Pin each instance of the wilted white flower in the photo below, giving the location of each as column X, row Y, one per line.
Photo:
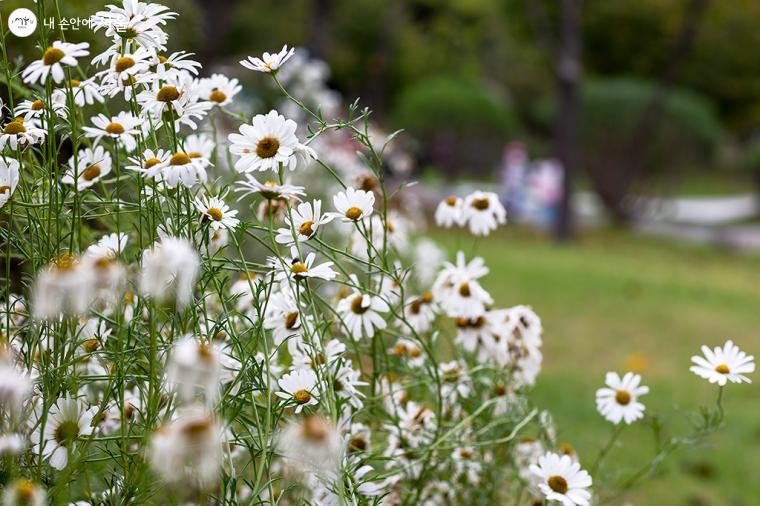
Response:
column 562, row 480
column 268, row 142
column 269, row 62
column 723, row 364
column 619, row 401
column 169, row 270
column 53, row 60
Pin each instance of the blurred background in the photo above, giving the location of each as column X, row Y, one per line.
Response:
column 624, row 139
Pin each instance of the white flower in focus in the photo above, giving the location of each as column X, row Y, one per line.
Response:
column 85, row 92
column 135, row 21
column 458, row 290
column 299, row 386
column 17, row 134
column 123, row 128
column 170, row 67
column 87, row 168
column 619, row 401
column 188, row 449
column 723, row 364
column 562, row 480
column 148, row 160
column 169, row 270
column 219, row 89
column 270, row 140
column 194, row 368
column 65, row 287
column 269, row 62
column 52, row 62
column 124, row 66
column 9, row 171
column 483, row 212
column 312, row 444
column 199, row 146
column 301, row 269
column 180, row 168
column 353, row 205
column 37, row 109
column 360, row 313
column 302, row 223
column 216, row 212
column 449, row 212
column 67, row 421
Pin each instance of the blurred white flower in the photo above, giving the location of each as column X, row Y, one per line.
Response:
column 723, row 364
column 9, row 172
column 312, row 444
column 53, row 60
column 169, row 270
column 619, row 401
column 24, row 492
column 449, row 212
column 458, row 290
column 65, row 287
column 194, row 368
column 483, row 212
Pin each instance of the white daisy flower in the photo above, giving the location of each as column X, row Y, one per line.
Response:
column 124, row 66
column 85, row 92
column 148, row 160
column 353, row 205
column 483, row 212
column 456, row 382
column 68, row 420
column 408, row 350
column 199, row 146
column 269, row 62
column 9, row 171
column 37, row 109
column 270, row 190
column 449, row 212
column 283, row 317
column 87, row 168
column 312, row 444
column 135, row 21
column 265, row 144
column 19, row 134
column 15, row 387
column 302, row 223
column 12, row 444
column 217, row 212
column 169, row 270
column 723, row 364
column 219, row 89
column 24, row 492
column 562, row 480
column 110, row 86
column 169, row 67
column 419, row 313
column 458, row 290
column 53, row 60
column 123, row 128
column 180, row 168
column 189, row 449
column 65, row 287
column 177, row 96
column 301, row 269
column 361, row 313
column 299, row 386
column 619, row 401
column 346, row 383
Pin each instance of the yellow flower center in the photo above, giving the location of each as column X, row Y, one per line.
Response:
column 217, row 96
column 195, row 154
column 291, row 320
column 196, row 430
column 480, row 204
column 299, row 268
column 302, row 396
column 25, row 491
column 558, row 484
column 167, row 94
column 14, row 128
column 66, row 432
column 124, row 63
column 305, row 228
column 91, row 173
column 4, row 188
column 115, row 129
column 464, row 290
column 622, row 397
column 151, row 162
column 357, row 305
column 315, row 428
column 353, row 213
column 74, row 83
column 722, row 369
column 66, row 262
column 52, row 56
column 215, row 213
column 38, row 105
column 91, row 345
column 180, row 159
column 267, row 147
column 451, row 201
column 426, row 297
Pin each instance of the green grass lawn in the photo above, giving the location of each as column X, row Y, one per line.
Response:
column 613, row 301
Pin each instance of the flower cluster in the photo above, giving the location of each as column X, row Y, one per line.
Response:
column 302, row 343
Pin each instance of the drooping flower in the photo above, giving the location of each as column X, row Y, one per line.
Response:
column 723, row 364
column 562, row 480
column 619, row 400
column 9, row 171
